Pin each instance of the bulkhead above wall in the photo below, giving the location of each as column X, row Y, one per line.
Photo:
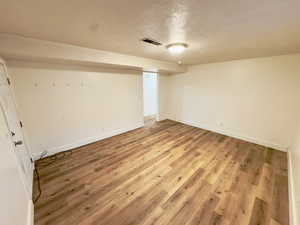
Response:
column 14, row 47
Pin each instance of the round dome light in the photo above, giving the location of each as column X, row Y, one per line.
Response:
column 176, row 48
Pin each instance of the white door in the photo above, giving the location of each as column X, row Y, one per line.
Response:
column 8, row 109
column 13, row 194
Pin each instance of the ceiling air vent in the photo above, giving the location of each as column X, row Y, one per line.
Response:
column 151, row 41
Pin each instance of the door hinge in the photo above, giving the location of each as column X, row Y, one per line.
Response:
column 8, row 80
column 21, row 124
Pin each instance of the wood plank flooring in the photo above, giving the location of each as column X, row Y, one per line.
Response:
column 164, row 174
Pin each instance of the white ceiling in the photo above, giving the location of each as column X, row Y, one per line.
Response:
column 215, row 30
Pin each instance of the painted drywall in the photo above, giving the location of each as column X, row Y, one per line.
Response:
column 163, row 93
column 150, row 93
column 15, row 203
column 18, row 47
column 63, row 107
column 254, row 99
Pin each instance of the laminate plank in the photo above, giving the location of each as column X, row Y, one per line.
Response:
column 206, row 212
column 259, row 213
column 280, row 200
column 166, row 173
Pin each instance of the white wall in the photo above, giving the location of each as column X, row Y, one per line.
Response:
column 63, row 107
column 254, row 99
column 150, row 93
column 163, row 92
column 15, row 204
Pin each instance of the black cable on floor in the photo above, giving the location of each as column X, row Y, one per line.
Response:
column 38, row 184
column 50, row 160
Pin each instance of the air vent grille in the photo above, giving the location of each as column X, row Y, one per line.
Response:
column 151, row 41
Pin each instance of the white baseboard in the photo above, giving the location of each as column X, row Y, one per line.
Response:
column 30, row 215
column 235, row 135
column 292, row 197
column 88, row 140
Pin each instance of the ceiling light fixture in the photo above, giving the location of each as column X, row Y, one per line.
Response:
column 176, row 48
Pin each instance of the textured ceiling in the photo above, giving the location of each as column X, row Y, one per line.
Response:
column 215, row 30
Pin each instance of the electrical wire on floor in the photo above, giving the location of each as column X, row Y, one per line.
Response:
column 46, row 162
column 38, row 184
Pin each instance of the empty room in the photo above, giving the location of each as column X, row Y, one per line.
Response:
column 150, row 112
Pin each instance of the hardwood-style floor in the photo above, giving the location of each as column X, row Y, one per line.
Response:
column 165, row 174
